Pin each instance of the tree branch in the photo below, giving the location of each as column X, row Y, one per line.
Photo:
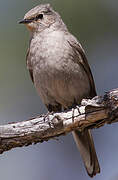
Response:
column 91, row 114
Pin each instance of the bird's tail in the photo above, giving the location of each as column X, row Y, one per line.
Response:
column 86, row 147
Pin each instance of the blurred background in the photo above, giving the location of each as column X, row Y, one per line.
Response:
column 95, row 24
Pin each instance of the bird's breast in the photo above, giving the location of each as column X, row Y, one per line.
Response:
column 57, row 77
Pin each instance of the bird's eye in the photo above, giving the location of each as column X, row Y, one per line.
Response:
column 39, row 16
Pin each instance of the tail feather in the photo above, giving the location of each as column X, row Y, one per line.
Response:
column 86, row 147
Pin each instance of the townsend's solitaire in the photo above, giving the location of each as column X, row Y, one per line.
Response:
column 60, row 72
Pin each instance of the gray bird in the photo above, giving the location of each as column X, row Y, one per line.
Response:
column 60, row 72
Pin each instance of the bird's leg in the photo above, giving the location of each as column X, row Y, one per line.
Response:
column 73, row 110
column 78, row 106
column 46, row 117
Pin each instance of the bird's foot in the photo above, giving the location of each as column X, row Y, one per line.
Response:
column 78, row 108
column 73, row 111
column 46, row 117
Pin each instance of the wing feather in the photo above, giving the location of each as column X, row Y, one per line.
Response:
column 84, row 63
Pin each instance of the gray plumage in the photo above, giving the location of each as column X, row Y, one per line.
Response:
column 60, row 71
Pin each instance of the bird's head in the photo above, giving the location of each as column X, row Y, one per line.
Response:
column 41, row 17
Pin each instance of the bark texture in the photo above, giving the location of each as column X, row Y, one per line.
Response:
column 92, row 113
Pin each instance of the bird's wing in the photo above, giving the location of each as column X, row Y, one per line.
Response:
column 82, row 60
column 29, row 66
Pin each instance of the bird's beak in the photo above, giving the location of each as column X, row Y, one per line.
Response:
column 25, row 21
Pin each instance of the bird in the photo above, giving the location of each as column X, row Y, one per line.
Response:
column 60, row 72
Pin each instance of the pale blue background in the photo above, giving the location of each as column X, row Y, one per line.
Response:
column 95, row 24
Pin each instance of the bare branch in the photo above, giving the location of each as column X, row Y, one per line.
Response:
column 91, row 114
